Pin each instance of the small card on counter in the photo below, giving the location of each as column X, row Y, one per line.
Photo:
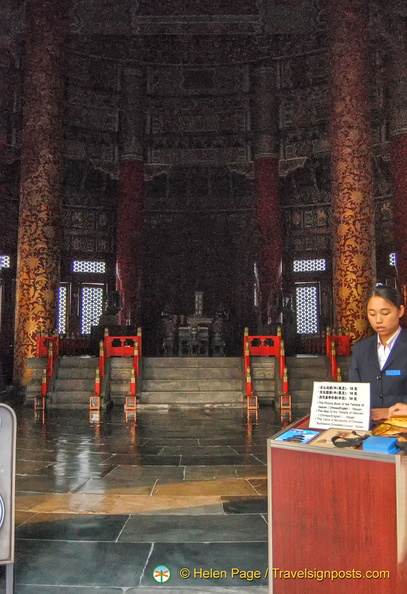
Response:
column 298, row 435
column 340, row 405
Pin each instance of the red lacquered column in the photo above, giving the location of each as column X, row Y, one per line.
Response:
column 266, row 175
column 131, row 195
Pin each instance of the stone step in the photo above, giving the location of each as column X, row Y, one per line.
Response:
column 301, row 396
column 75, row 384
column 231, row 397
column 306, row 361
column 195, row 362
column 263, row 374
column 33, row 388
column 121, row 374
column 262, row 384
column 262, row 361
column 119, row 389
column 186, row 373
column 118, row 363
column 71, row 397
column 312, row 373
column 191, row 385
column 264, row 393
column 263, row 379
column 302, row 372
column 302, row 384
column 78, row 362
column 76, row 373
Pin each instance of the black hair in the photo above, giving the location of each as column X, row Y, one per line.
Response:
column 387, row 292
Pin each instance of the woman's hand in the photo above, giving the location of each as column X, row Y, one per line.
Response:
column 379, row 414
column 398, row 410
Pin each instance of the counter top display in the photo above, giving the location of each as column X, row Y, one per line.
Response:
column 336, row 514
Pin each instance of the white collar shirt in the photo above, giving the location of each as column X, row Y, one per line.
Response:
column 383, row 350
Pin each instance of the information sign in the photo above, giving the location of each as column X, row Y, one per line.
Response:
column 340, row 405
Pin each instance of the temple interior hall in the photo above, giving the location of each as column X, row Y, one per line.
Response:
column 183, row 178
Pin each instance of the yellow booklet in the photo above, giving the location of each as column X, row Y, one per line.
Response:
column 392, row 427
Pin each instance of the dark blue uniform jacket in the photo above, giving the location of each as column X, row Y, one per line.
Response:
column 387, row 385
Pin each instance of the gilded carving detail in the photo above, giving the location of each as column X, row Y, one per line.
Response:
column 352, row 179
column 40, row 201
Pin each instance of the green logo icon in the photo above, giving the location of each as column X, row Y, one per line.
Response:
column 161, row 574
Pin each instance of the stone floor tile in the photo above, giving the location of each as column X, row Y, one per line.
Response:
column 217, row 487
column 116, row 487
column 244, row 505
column 190, row 505
column 72, row 527
column 75, row 470
column 259, row 485
column 146, row 473
column 63, row 563
column 196, row 558
column 249, row 472
column 31, row 466
column 24, row 501
column 78, row 503
column 21, row 517
column 198, row 451
column 48, row 484
column 219, row 460
column 198, row 528
column 210, row 473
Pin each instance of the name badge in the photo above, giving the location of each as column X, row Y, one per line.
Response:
column 393, row 372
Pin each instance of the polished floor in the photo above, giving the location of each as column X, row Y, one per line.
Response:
column 99, row 506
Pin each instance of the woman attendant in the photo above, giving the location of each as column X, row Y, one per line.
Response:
column 381, row 359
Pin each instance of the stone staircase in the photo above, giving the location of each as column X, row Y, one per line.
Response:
column 302, row 371
column 120, row 379
column 72, row 385
column 164, row 381
column 188, row 381
column 74, row 382
column 192, row 381
column 263, row 371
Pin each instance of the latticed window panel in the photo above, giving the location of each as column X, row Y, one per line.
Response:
column 309, row 265
column 88, row 266
column 307, row 309
column 4, row 261
column 62, row 309
column 392, row 259
column 91, row 307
